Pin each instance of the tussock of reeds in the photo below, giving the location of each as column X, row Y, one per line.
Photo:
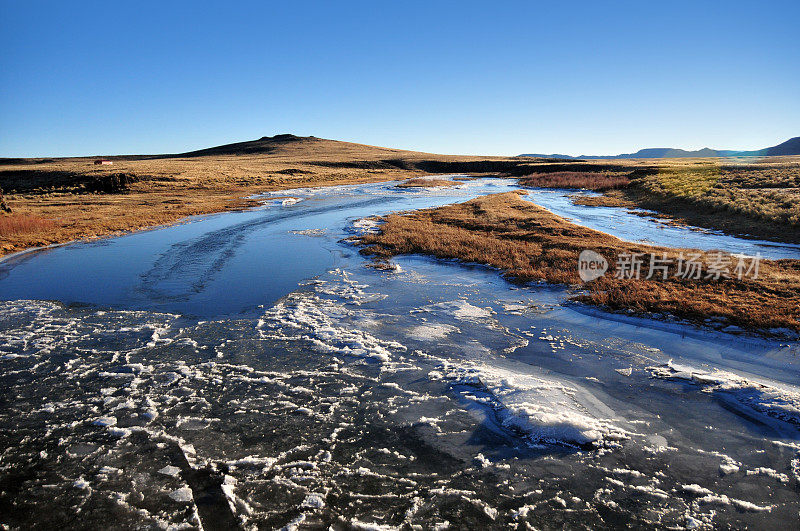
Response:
column 573, row 179
column 15, row 224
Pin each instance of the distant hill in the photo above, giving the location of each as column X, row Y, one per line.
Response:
column 292, row 145
column 288, row 149
column 265, row 144
column 273, row 147
column 790, row 147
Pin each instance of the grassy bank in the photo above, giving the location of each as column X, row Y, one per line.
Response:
column 750, row 197
column 588, row 180
column 756, row 198
column 529, row 243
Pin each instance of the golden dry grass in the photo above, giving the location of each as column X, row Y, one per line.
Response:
column 528, row 242
column 575, row 179
column 11, row 225
column 755, row 197
column 601, row 200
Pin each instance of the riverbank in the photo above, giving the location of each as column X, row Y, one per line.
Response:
column 748, row 197
column 61, row 200
column 426, row 182
column 55, row 218
column 529, row 243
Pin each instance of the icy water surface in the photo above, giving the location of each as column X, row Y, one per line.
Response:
column 248, row 370
column 642, row 228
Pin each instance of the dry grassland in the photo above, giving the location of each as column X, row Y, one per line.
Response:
column 529, row 243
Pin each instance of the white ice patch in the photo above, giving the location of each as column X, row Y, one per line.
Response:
column 769, row 472
column 105, row 422
column 365, row 226
column 183, row 495
column 370, row 526
column 778, row 403
column 193, row 423
column 328, row 324
column 462, row 310
column 431, row 332
column 696, row 489
column 526, row 307
column 319, row 321
column 236, row 503
column 170, row 470
column 310, row 232
column 346, row 289
column 722, row 499
column 544, row 410
column 313, row 501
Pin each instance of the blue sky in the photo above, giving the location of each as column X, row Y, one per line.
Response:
column 82, row 78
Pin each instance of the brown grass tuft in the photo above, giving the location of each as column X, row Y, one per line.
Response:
column 574, row 179
column 16, row 224
column 601, row 200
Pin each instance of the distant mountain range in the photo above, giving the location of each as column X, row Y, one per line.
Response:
column 790, row 147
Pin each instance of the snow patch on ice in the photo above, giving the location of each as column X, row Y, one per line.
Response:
column 105, row 422
column 722, row 499
column 696, row 489
column 431, row 332
column 779, row 403
column 310, row 232
column 314, row 501
column 363, row 226
column 542, row 410
column 320, row 322
column 170, row 470
column 328, row 323
column 462, row 310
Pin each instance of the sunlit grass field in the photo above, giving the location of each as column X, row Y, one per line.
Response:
column 769, row 193
column 529, row 243
column 755, row 197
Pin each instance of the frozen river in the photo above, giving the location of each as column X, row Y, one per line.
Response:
column 249, row 369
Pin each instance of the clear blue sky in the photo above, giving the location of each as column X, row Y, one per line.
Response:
column 82, row 78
